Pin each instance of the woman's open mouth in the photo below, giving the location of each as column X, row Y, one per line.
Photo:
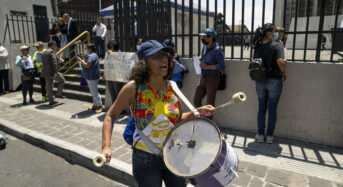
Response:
column 164, row 67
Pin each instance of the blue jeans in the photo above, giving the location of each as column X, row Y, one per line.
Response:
column 93, row 88
column 149, row 171
column 100, row 46
column 268, row 93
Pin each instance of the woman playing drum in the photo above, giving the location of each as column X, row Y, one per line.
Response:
column 156, row 110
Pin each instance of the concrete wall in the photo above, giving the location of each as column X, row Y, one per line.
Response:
column 20, row 5
column 310, row 108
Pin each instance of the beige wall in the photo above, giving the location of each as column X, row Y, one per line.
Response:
column 310, row 108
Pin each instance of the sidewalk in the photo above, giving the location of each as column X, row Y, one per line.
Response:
column 71, row 131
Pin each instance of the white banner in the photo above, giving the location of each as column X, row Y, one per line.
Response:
column 117, row 66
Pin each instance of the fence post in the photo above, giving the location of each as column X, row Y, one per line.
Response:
column 320, row 33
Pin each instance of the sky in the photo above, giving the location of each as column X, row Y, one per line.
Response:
column 247, row 11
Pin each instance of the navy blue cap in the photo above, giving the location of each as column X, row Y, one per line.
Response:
column 209, row 32
column 149, row 48
column 169, row 43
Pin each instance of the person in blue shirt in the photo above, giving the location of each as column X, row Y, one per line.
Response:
column 212, row 63
column 91, row 72
column 178, row 69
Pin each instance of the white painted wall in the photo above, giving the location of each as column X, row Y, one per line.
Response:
column 20, row 5
column 310, row 108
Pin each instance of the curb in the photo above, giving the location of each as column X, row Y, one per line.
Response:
column 117, row 170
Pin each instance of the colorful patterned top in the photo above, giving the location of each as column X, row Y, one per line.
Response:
column 155, row 113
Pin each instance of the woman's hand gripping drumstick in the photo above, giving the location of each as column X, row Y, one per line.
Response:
column 237, row 98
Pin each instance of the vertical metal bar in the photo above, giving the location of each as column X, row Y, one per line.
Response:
column 307, row 24
column 22, row 24
column 284, row 14
column 6, row 28
column 121, row 29
column 274, row 12
column 242, row 28
column 207, row 12
column 224, row 26
column 132, row 16
column 215, row 14
column 183, row 27
column 233, row 29
column 199, row 25
column 338, row 4
column 320, row 29
column 33, row 33
column 252, row 26
column 191, row 28
column 15, row 36
column 116, row 21
column 18, row 28
column 295, row 28
column 126, row 27
column 175, row 25
column 169, row 20
column 27, row 27
column 263, row 11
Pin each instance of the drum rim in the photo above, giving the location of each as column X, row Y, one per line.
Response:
column 216, row 157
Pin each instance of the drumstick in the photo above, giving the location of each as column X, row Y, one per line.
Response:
column 237, row 98
column 99, row 160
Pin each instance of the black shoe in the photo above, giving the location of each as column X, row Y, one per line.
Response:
column 53, row 102
column 24, row 102
column 32, row 101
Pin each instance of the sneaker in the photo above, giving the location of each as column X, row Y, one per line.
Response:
column 259, row 138
column 53, row 103
column 93, row 107
column 99, row 109
column 269, row 139
column 32, row 101
column 44, row 99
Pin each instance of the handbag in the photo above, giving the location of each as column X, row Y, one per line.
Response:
column 222, row 81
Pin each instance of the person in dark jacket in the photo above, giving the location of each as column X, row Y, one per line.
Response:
column 212, row 63
column 268, row 91
column 72, row 33
column 50, row 72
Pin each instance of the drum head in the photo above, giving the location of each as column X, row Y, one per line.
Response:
column 191, row 147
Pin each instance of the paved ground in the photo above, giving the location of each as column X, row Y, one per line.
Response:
column 23, row 164
column 72, row 127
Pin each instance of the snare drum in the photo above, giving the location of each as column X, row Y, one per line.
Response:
column 195, row 150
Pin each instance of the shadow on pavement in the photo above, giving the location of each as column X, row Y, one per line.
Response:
column 47, row 106
column 83, row 114
column 290, row 149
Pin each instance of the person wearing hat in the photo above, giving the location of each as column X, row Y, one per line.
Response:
column 37, row 60
column 25, row 63
column 152, row 101
column 178, row 68
column 212, row 63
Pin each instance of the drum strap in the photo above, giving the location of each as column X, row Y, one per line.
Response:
column 183, row 98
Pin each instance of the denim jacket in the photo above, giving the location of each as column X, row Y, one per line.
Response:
column 213, row 56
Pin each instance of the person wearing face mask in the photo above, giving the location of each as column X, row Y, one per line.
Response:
column 50, row 72
column 212, row 63
column 91, row 72
column 281, row 34
column 268, row 91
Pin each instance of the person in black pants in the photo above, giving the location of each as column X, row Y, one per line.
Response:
column 4, row 67
column 24, row 62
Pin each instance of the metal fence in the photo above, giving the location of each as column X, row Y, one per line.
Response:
column 305, row 21
column 29, row 29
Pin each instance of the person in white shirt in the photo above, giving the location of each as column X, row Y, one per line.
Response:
column 4, row 67
column 100, row 33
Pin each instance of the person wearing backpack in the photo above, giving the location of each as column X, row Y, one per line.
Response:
column 27, row 72
column 268, row 90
